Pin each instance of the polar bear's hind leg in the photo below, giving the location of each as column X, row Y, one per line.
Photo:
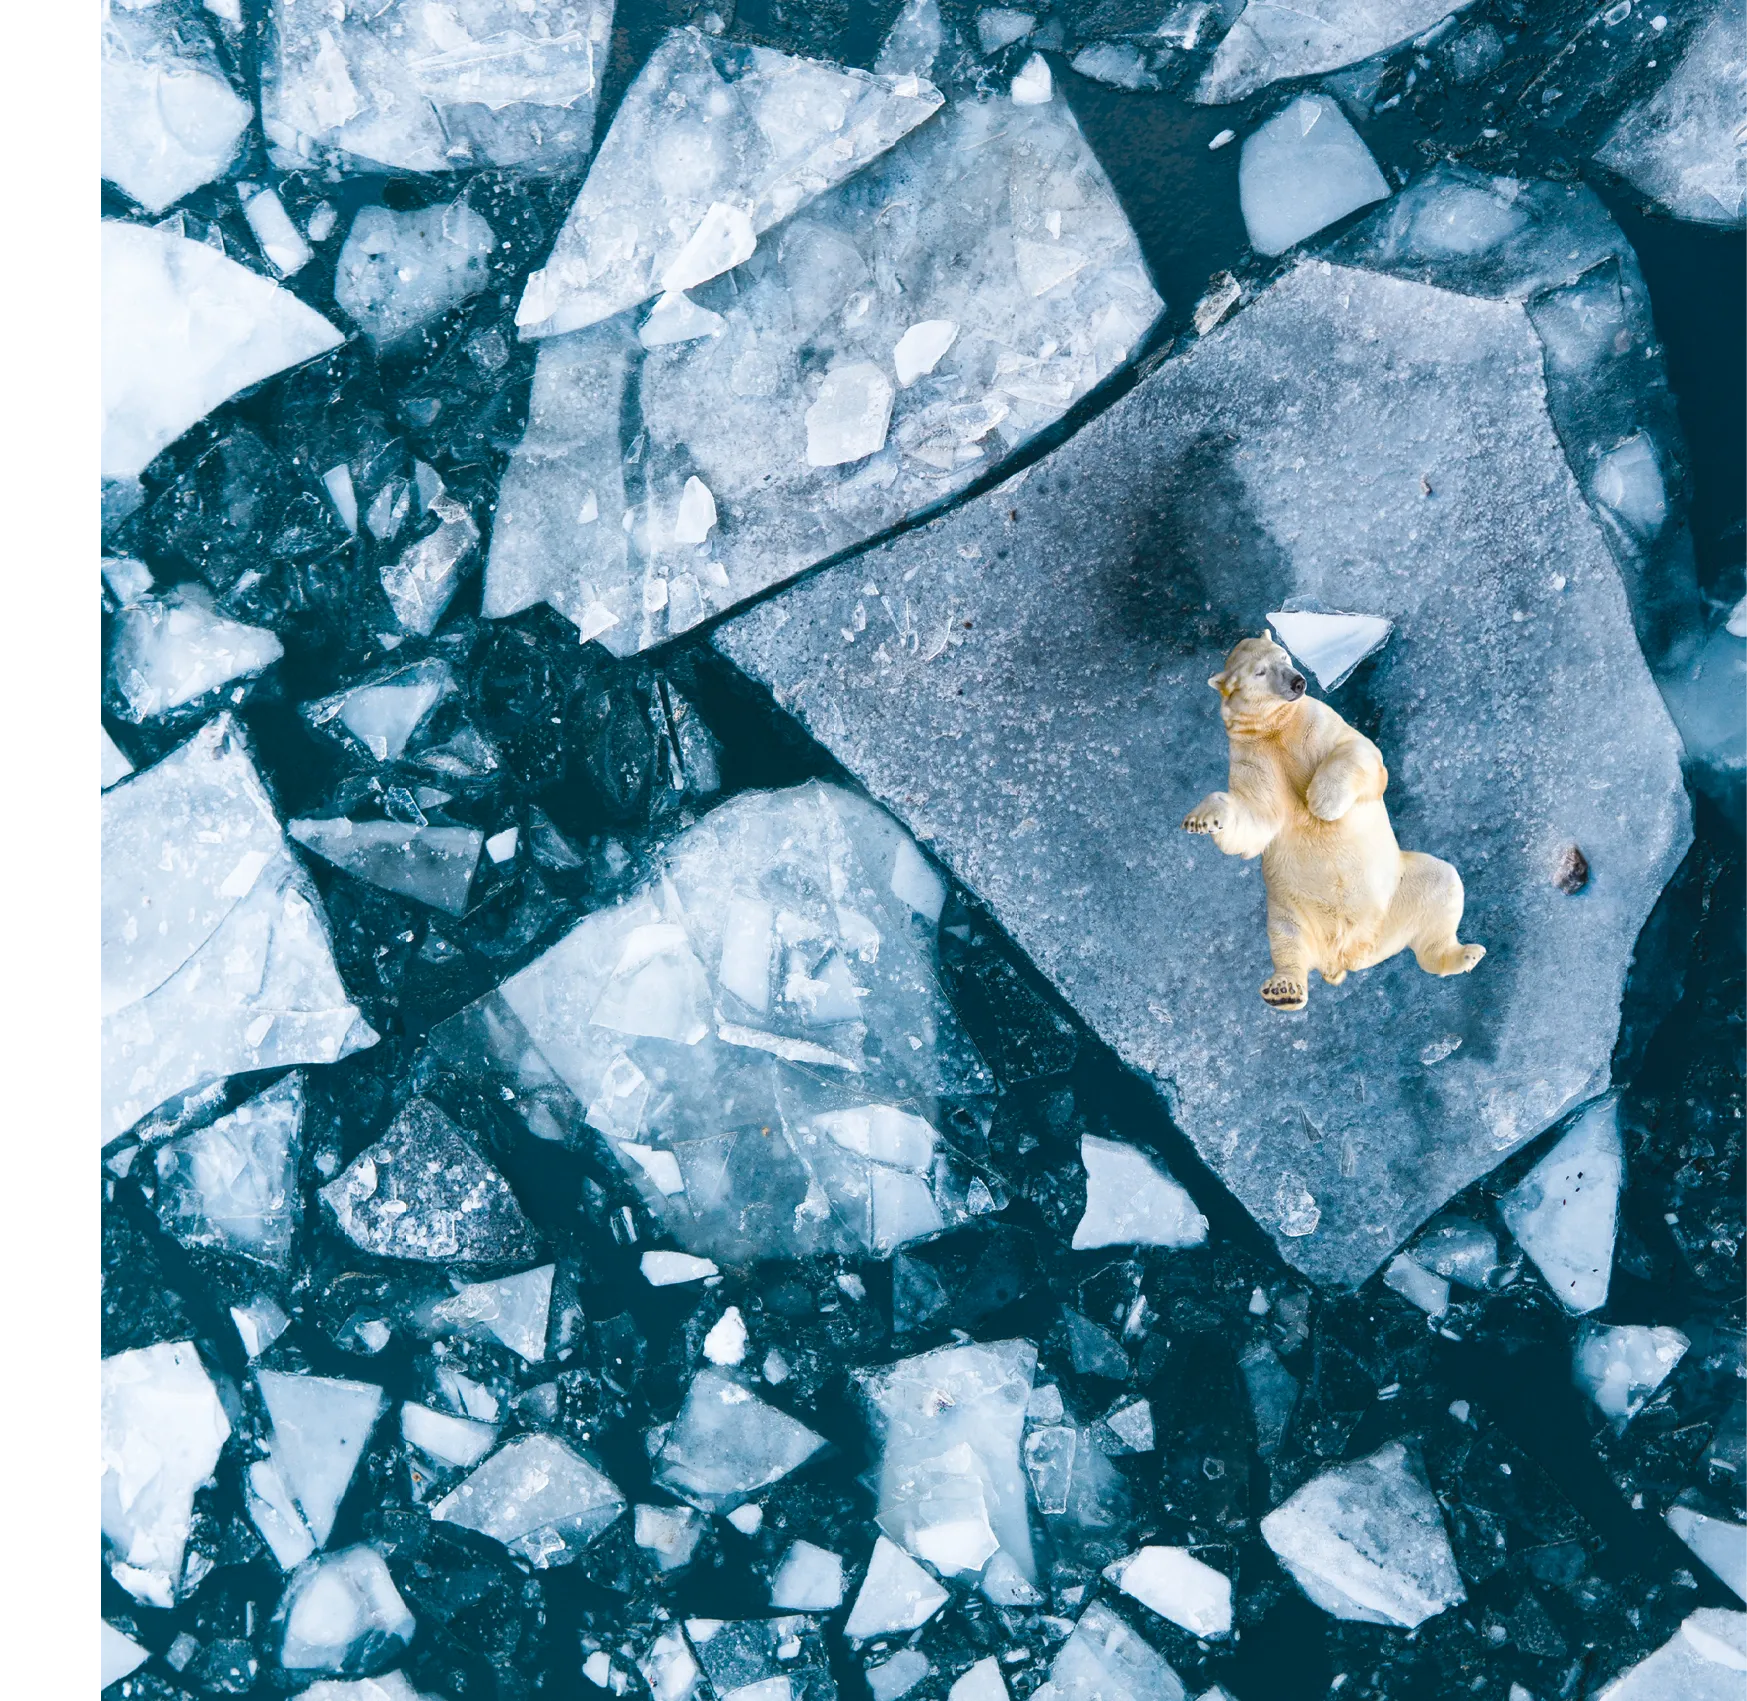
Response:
column 1288, row 987
column 1426, row 912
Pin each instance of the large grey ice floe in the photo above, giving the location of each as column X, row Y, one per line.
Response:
column 893, row 339
column 757, row 1033
column 416, row 87
column 538, row 1498
column 1024, row 684
column 1686, row 146
column 215, row 955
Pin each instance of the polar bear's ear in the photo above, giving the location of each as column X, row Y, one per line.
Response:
column 1218, row 683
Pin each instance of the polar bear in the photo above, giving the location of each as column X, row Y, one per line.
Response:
column 1306, row 795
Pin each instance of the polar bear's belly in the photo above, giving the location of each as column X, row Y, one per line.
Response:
column 1336, row 879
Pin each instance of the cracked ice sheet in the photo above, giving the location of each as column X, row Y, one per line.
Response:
column 215, row 954
column 991, row 220
column 418, row 87
column 757, row 1033
column 1288, row 451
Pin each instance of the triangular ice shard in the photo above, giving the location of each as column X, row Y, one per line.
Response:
column 383, row 712
column 1330, row 645
column 1130, row 1201
column 714, row 144
column 320, row 1427
column 433, row 865
column 1105, row 1661
column 536, row 1497
column 512, row 1310
column 1565, row 1210
column 172, row 650
column 727, row 1444
column 896, row 1594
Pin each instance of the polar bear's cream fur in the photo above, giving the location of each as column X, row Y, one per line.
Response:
column 1306, row 795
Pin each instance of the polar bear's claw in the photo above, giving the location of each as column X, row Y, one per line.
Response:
column 1283, row 992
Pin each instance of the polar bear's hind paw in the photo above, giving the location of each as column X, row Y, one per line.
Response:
column 1285, row 992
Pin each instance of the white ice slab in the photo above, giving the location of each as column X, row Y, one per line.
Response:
column 449, row 1440
column 1565, row 1211
column 896, row 1594
column 398, row 271
column 512, row 1310
column 1130, row 1201
column 1301, row 171
column 1620, row 1366
column 726, row 1444
column 1331, row 645
column 810, row 1579
column 321, row 1425
column 170, row 651
column 1702, row 1661
column 1104, row 1660
column 339, row 1605
column 1177, row 1586
column 431, row 864
column 121, row 1655
column 538, row 1498
column 1720, row 1544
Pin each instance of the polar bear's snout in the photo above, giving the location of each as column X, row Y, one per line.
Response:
column 1295, row 687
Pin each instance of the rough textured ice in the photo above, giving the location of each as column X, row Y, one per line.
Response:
column 232, row 1186
column 1104, row 1660
column 121, row 1655
column 417, row 87
column 342, row 1613
column 1620, row 1366
column 385, row 714
column 1702, row 1661
column 320, row 1425
column 115, row 765
column 1030, row 697
column 983, row 1682
column 185, row 328
column 1366, row 1541
column 390, row 1686
column 714, row 144
column 994, row 219
column 171, row 121
column 1177, row 1586
column 896, row 1594
column 1565, row 1211
column 950, row 1422
column 163, row 1427
column 536, row 1497
column 757, row 1033
column 170, row 651
column 810, row 1579
column 512, row 1309
column 1130, row 1201
column 1330, row 645
column 1273, row 41
column 760, row 1659
column 449, row 1440
column 1301, row 171
column 398, row 271
column 1719, row 1543
column 432, row 864
column 423, row 1193
column 215, row 951
column 1683, row 146
column 726, row 1444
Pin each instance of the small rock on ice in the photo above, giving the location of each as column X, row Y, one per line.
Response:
column 895, row 1595
column 1565, row 1211
column 1301, row 171
column 538, row 1498
column 1331, row 645
column 1130, row 1201
column 1177, row 1586
column 1620, row 1366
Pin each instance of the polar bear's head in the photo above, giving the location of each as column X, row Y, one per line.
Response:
column 1259, row 682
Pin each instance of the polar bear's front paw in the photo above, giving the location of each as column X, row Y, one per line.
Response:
column 1208, row 816
column 1286, row 992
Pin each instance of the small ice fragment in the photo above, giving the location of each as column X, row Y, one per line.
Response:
column 1105, row 1661
column 676, row 318
column 501, row 847
column 849, row 419
column 1417, row 1285
column 1130, row 1201
column 449, row 1440
column 1301, row 171
column 723, row 240
column 895, row 1595
column 810, row 1579
column 1565, row 1211
column 916, row 883
column 512, row 1310
column 748, row 1520
column 433, row 865
column 259, row 1324
column 121, row 1655
column 1331, row 645
column 320, row 1425
column 697, row 512
column 662, row 1269
column 891, row 1679
column 1001, row 26
column 1119, row 64
column 398, row 271
column 343, row 495
column 1628, row 479
column 173, row 650
column 1720, row 1544
column 725, row 1344
column 279, row 238
column 1177, row 1586
column 921, row 349
column 1620, row 1367
column 339, row 1605
column 726, row 1444
column 538, row 1498
column 982, row 1682
column 1033, row 86
column 671, row 1533
column 1223, row 139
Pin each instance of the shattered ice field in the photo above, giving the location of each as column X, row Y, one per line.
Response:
column 679, row 1119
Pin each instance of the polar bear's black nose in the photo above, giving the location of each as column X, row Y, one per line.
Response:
column 1296, row 685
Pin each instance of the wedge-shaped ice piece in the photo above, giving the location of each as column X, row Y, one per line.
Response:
column 320, row 1427
column 1104, row 1660
column 341, row 1612
column 185, row 328
column 171, row 120
column 233, row 1186
column 163, row 1428
column 1702, row 1661
column 1177, row 1586
column 259, row 1324
column 1682, row 146
column 512, row 1309
column 662, row 1269
column 115, row 765
column 895, row 1595
column 383, row 713
column 1366, row 1541
column 1130, row 1201
column 1330, row 645
column 726, row 1444
column 536, row 1497
column 1720, row 1544
column 950, row 1423
column 455, row 1441
column 423, row 579
column 423, row 1193
column 417, row 87
column 1565, row 1211
column 713, row 144
column 390, row 1686
column 432, row 864
column 215, row 956
column 890, row 1679
column 172, row 650
column 670, row 1533
column 121, row 1655
column 1301, row 171
column 1620, row 1366
column 982, row 1682
column 398, row 271
column 273, row 1509
column 810, row 1579
column 1273, row 41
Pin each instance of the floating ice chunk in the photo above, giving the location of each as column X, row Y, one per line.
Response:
column 1417, row 1285
column 1033, row 86
column 422, row 580
column 320, row 1427
column 384, row 713
column 726, row 1444
column 922, row 348
column 233, row 1186
column 1682, row 146
column 1301, row 171
column 671, row 1533
column 1001, row 26
column 215, row 957
column 281, row 241
column 1704, row 694
column 121, row 1655
column 1460, row 1250
column 1702, row 1661
column 1121, row 64
column 1273, row 40
column 449, row 1440
column 810, row 1579
column 512, row 1309
column 676, row 318
column 423, row 1193
column 849, row 419
column 725, row 1344
column 1620, row 1367
column 983, row 1682
column 342, row 1611
column 1130, row 1201
column 1365, row 1541
column 662, row 1269
column 1719, row 1543
column 115, row 765
column 697, row 513
column 398, row 271
column 713, row 144
column 170, row 651
column 501, row 847
column 163, row 1428
column 1105, row 1661
column 391, row 1686
column 1331, row 645
column 896, row 1594
column 170, row 120
column 748, row 1520
column 536, row 1497
column 417, row 87
column 185, row 328
column 1177, row 1586
column 761, row 1659
column 432, row 864
column 259, row 1324
column 273, row 1508
column 1565, row 1211
column 1128, row 1428
column 1629, row 481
